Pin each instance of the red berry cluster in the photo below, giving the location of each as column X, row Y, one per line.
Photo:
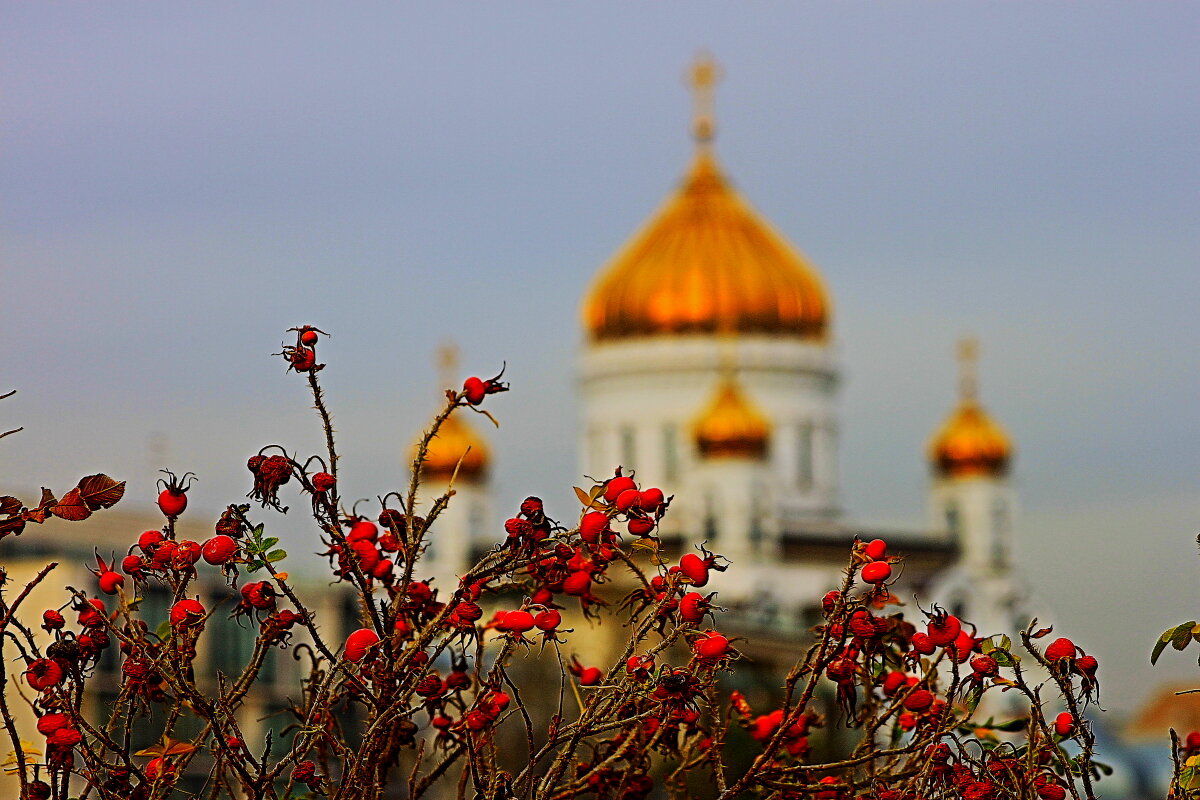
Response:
column 366, row 550
column 1065, row 657
column 302, row 356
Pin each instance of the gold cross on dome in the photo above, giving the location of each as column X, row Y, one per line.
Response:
column 702, row 77
column 447, row 360
column 968, row 367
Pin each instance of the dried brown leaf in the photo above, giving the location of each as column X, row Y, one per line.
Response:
column 9, row 505
column 100, row 491
column 72, row 507
column 48, row 498
column 11, row 525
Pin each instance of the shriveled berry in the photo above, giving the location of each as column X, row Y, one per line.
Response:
column 323, row 482
column 187, row 613
column 52, row 620
column 49, row 723
column 44, row 673
column 65, row 737
column 149, row 540
column 1051, row 791
column 1059, row 649
column 919, row 700
column 984, row 665
column 1087, row 665
column 943, row 629
column 186, row 554
column 640, row 526
column 532, row 507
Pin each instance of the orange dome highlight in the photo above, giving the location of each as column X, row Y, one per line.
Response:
column 456, row 440
column 731, row 427
column 706, row 263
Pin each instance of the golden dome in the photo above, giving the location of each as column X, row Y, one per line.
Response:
column 970, row 443
column 707, row 263
column 455, row 438
column 731, row 427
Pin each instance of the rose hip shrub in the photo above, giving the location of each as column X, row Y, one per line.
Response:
column 424, row 695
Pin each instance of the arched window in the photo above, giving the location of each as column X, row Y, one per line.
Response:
column 628, row 448
column 670, row 441
column 804, row 455
column 953, row 522
column 1000, row 523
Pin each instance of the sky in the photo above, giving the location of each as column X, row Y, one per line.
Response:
column 181, row 182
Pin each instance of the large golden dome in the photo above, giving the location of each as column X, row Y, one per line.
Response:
column 456, row 440
column 706, row 263
column 970, row 443
column 731, row 427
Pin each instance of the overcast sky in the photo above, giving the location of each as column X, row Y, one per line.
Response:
column 184, row 181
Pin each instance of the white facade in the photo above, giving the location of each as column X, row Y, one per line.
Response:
column 641, row 397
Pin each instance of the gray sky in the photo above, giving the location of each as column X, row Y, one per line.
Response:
column 183, row 181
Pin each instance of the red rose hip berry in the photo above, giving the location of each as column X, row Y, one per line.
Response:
column 358, row 643
column 876, row 572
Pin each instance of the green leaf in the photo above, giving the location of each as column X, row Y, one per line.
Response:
column 999, row 642
column 276, row 555
column 1168, row 637
column 255, row 566
column 1012, row 726
column 163, row 631
column 269, row 542
column 1004, row 658
column 1182, row 635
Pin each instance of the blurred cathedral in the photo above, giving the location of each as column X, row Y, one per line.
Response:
column 708, row 368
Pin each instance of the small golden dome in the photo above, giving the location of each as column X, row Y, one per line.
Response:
column 731, row 427
column 970, row 443
column 707, row 263
column 455, row 438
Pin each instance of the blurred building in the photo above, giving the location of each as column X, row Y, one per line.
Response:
column 709, row 368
